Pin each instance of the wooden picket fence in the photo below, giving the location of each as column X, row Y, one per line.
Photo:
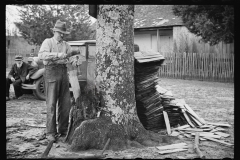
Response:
column 198, row 66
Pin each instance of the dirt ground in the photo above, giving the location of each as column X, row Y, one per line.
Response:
column 212, row 101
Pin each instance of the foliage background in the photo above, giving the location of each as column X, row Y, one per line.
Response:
column 37, row 21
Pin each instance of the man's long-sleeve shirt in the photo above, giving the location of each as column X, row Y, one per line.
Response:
column 21, row 73
column 49, row 50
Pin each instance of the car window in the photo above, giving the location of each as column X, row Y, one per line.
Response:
column 92, row 50
column 82, row 50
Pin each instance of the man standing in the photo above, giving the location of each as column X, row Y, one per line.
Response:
column 19, row 73
column 54, row 52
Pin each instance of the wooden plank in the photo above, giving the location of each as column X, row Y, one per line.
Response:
column 192, row 130
column 187, row 118
column 207, row 134
column 167, row 122
column 194, row 119
column 225, row 135
column 172, row 146
column 193, row 113
column 219, row 141
column 220, row 129
column 219, row 124
column 172, row 151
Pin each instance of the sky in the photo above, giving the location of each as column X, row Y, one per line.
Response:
column 13, row 16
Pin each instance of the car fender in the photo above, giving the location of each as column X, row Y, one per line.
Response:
column 38, row 73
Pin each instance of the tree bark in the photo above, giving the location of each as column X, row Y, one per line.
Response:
column 115, row 90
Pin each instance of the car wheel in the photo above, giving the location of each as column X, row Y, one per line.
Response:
column 39, row 92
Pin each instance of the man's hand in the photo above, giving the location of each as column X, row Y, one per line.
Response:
column 12, row 79
column 61, row 55
column 27, row 77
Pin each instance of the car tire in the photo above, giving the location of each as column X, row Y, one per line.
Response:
column 39, row 92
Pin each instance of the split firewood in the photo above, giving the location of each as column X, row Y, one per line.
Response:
column 172, row 146
column 219, row 124
column 196, row 146
column 167, row 122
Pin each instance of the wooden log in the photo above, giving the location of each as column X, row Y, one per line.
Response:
column 167, row 122
column 219, row 141
column 172, row 151
column 172, row 146
column 196, row 146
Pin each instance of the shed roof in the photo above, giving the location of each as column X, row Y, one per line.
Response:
column 147, row 16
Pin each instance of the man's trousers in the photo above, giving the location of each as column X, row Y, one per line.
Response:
column 57, row 90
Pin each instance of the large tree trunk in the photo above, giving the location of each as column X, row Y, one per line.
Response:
column 115, row 88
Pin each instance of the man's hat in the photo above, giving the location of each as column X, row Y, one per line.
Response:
column 18, row 58
column 60, row 27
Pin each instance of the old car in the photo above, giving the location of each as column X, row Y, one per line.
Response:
column 85, row 71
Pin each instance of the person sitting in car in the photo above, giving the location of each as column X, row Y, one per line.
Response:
column 19, row 73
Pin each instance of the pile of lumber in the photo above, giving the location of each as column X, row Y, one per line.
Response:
column 148, row 100
column 157, row 108
column 189, row 122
